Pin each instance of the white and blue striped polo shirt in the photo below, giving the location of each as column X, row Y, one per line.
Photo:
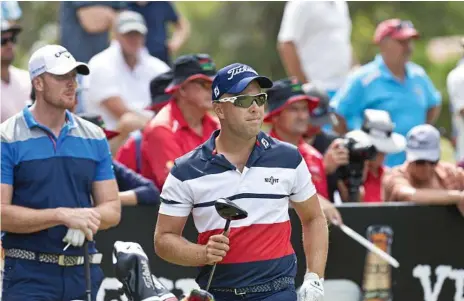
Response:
column 50, row 172
column 260, row 246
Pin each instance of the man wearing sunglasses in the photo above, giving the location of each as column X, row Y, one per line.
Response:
column 391, row 83
column 16, row 85
column 182, row 124
column 255, row 258
column 424, row 178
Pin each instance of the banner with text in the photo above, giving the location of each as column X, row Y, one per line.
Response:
column 428, row 242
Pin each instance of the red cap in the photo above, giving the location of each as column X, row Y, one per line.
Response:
column 396, row 29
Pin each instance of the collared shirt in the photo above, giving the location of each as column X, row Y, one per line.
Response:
column 373, row 86
column 447, row 176
column 321, row 32
column 167, row 137
column 130, row 153
column 373, row 186
column 260, row 246
column 315, row 162
column 15, row 94
column 50, row 172
column 110, row 76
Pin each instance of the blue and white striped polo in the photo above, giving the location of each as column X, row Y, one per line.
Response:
column 49, row 172
column 260, row 246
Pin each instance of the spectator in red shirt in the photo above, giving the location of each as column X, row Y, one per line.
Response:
column 378, row 129
column 130, row 154
column 288, row 112
column 184, row 123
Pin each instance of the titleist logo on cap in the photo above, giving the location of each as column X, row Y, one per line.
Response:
column 240, row 69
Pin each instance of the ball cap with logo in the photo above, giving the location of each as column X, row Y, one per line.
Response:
column 54, row 59
column 131, row 21
column 396, row 29
column 285, row 92
column 234, row 78
column 423, row 143
column 190, row 67
column 98, row 120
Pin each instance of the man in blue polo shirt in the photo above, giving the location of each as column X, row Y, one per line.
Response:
column 391, row 83
column 263, row 175
column 57, row 187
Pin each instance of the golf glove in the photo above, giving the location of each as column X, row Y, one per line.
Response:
column 75, row 237
column 312, row 288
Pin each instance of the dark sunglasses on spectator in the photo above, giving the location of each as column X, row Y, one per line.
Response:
column 423, row 162
column 11, row 39
column 245, row 101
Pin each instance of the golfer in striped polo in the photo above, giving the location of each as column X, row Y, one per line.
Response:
column 262, row 175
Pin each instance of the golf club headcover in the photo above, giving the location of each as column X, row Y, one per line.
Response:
column 132, row 269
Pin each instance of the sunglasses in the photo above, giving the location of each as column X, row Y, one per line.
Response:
column 423, row 162
column 11, row 39
column 245, row 101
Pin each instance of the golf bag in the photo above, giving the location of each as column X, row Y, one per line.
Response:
column 132, row 269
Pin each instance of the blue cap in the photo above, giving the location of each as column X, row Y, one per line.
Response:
column 234, row 78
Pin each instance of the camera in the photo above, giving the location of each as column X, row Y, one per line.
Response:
column 360, row 149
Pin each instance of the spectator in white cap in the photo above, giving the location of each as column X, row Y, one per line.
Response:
column 53, row 71
column 423, row 178
column 378, row 129
column 121, row 75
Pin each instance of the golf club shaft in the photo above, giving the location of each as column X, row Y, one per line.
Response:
column 370, row 246
column 226, row 227
column 88, row 284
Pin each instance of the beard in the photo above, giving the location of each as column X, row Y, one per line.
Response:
column 63, row 104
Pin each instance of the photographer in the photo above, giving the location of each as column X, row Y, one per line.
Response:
column 326, row 142
column 368, row 148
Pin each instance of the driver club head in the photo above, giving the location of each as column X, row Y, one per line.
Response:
column 229, row 210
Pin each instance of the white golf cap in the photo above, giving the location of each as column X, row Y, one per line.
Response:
column 379, row 126
column 54, row 59
column 423, row 143
column 131, row 21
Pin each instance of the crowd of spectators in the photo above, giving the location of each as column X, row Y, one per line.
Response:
column 157, row 105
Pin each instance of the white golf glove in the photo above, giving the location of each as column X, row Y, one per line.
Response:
column 75, row 237
column 312, row 288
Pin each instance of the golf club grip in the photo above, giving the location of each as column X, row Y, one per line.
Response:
column 226, row 228
column 211, row 277
column 88, row 284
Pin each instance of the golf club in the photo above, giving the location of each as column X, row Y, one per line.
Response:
column 88, row 284
column 229, row 211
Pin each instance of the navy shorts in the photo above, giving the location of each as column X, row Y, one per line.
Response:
column 36, row 281
column 288, row 294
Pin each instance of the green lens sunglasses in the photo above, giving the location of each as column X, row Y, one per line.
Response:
column 245, row 101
